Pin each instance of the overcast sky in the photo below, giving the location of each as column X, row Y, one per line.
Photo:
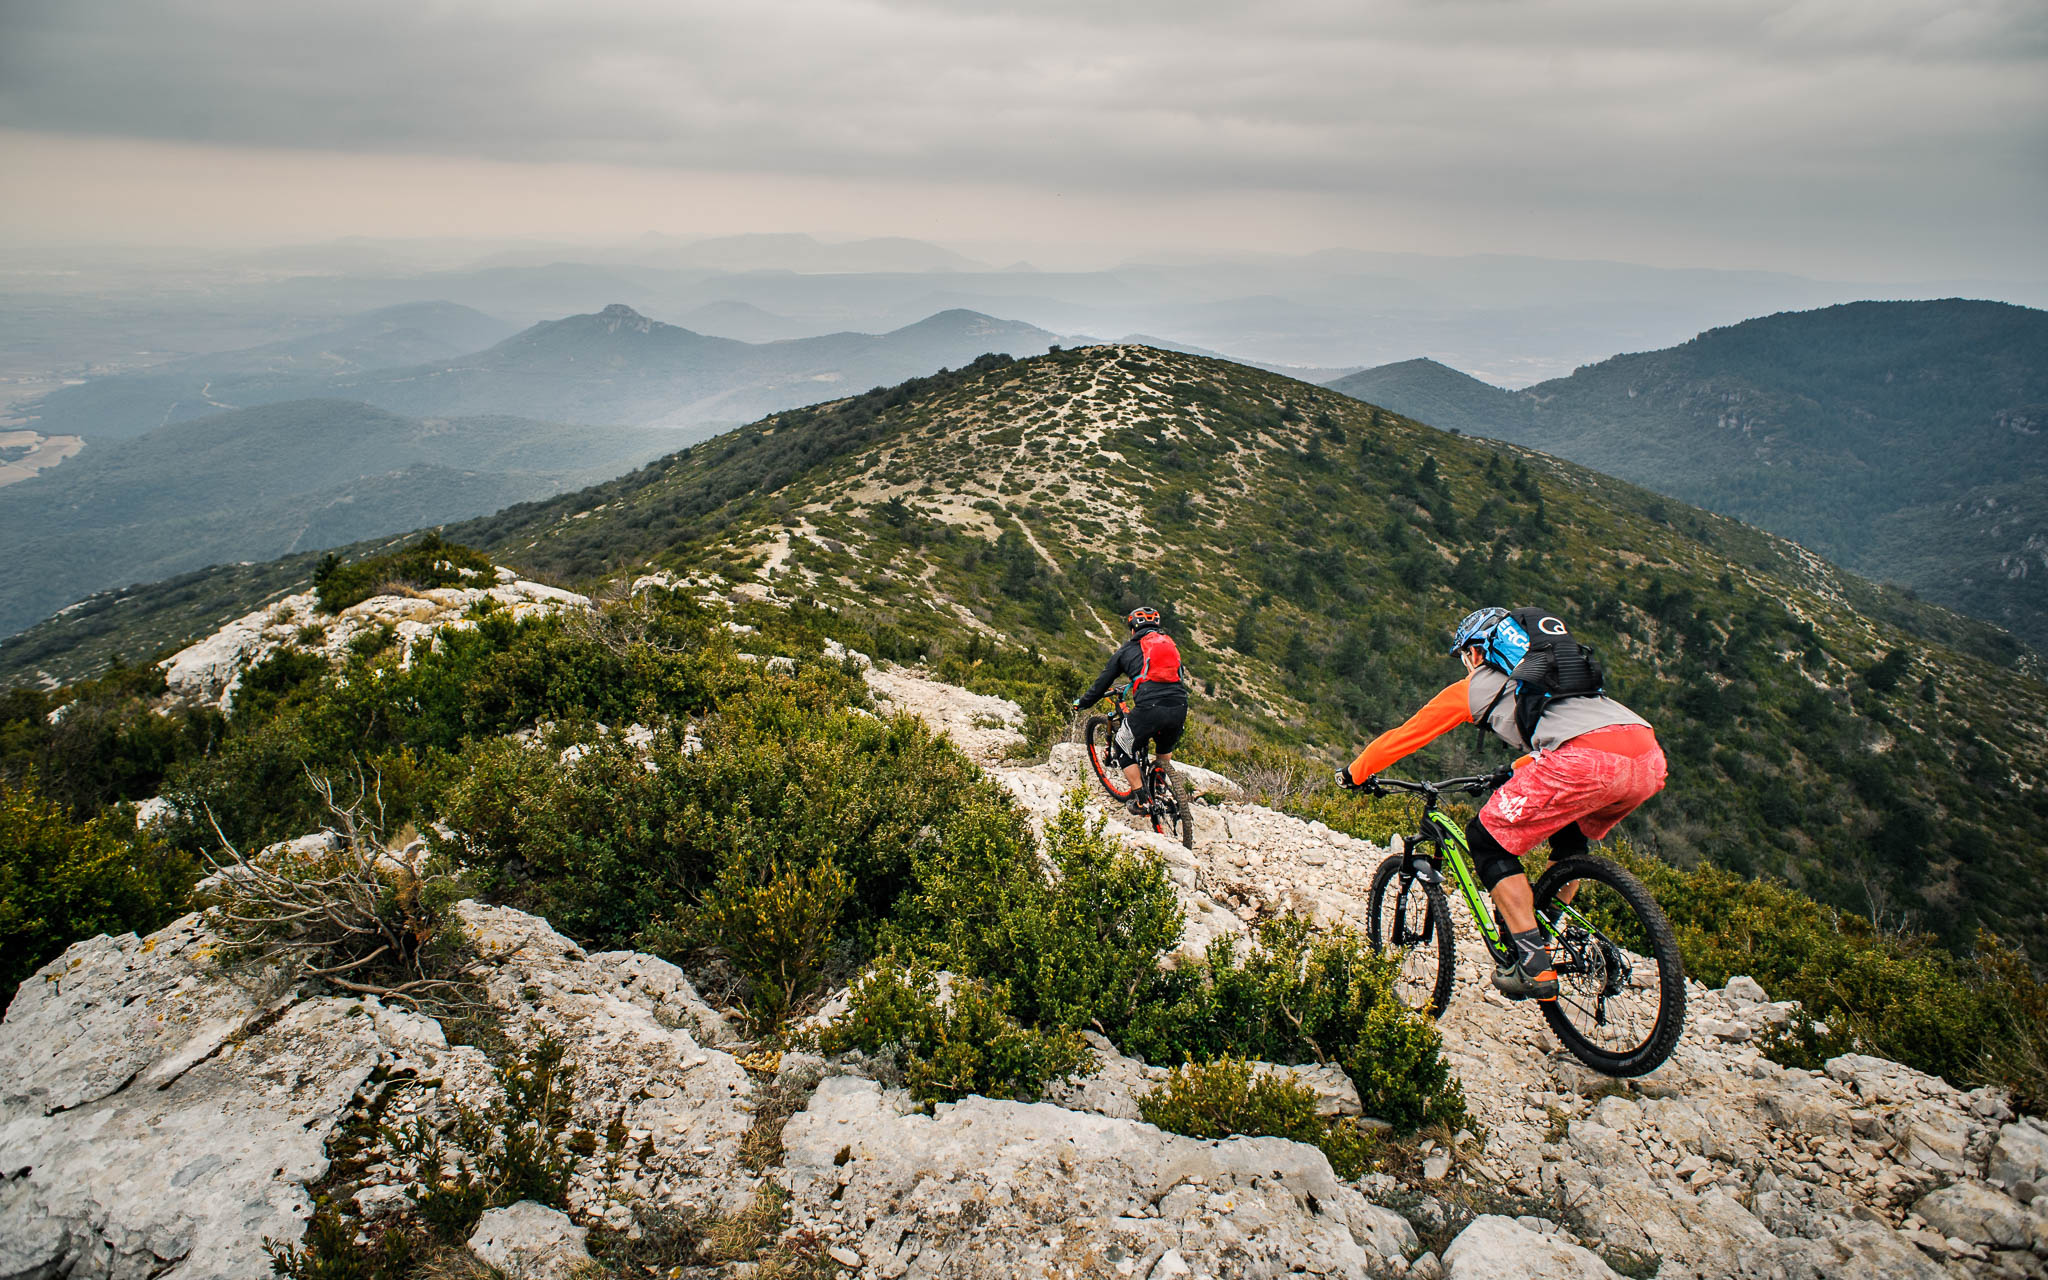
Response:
column 1869, row 139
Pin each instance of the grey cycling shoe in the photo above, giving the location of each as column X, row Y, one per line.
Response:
column 1517, row 983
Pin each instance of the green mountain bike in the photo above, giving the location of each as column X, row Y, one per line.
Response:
column 1620, row 1004
column 1109, row 749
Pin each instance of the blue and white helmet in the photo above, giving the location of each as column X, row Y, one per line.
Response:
column 1501, row 639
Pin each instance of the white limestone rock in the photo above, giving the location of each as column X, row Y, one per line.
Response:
column 209, row 672
column 156, row 1120
column 901, row 1187
column 530, row 1241
column 1974, row 1212
column 693, row 1101
column 2021, row 1155
column 1496, row 1248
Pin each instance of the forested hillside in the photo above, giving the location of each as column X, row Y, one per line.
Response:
column 1901, row 439
column 1313, row 551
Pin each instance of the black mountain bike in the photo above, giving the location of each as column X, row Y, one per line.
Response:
column 1109, row 750
column 1620, row 1003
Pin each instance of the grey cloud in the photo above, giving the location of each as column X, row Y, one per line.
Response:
column 1816, row 107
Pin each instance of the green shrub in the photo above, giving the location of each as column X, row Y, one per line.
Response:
column 110, row 741
column 776, row 923
column 969, row 1043
column 62, row 880
column 425, row 564
column 1225, row 1097
column 512, row 1150
column 1903, row 997
column 331, row 1251
column 1299, row 995
column 606, row 847
column 1079, row 952
column 2017, row 1057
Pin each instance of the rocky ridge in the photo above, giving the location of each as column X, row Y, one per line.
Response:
column 156, row 1119
column 208, row 673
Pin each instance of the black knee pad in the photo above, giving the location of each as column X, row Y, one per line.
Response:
column 1493, row 863
column 1569, row 843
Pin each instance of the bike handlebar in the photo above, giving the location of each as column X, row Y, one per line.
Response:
column 1482, row 782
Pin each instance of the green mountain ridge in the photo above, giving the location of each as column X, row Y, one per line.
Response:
column 1312, row 551
column 1900, row 439
column 259, row 483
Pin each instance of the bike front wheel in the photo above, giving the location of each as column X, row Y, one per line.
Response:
column 1620, row 1004
column 1099, row 734
column 1410, row 919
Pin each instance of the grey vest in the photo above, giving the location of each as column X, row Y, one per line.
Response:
column 1564, row 720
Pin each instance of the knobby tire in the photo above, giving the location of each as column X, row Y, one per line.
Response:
column 1177, row 817
column 1440, row 941
column 1662, row 946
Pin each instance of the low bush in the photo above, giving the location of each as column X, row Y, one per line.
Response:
column 1300, row 995
column 725, row 845
column 776, row 923
column 1227, row 1096
column 1900, row 996
column 510, row 1151
column 954, row 1043
column 62, row 879
column 425, row 564
column 1080, row 950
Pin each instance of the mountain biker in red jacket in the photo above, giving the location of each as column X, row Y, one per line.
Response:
column 1594, row 762
column 1159, row 696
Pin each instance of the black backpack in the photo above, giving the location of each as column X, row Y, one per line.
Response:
column 1549, row 663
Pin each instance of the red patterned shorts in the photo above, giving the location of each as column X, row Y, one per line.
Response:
column 1574, row 783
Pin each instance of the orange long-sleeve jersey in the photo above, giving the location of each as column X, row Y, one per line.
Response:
column 1443, row 713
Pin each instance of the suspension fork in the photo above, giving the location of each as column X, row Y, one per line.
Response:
column 1450, row 838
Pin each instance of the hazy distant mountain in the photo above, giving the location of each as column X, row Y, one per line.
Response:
column 268, row 481
column 118, row 408
column 1439, row 395
column 1907, row 440
column 613, row 366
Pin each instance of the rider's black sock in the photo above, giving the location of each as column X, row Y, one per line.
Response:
column 1534, row 951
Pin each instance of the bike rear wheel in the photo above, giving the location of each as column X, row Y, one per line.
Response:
column 1620, row 1004
column 1411, row 917
column 1099, row 734
column 1172, row 815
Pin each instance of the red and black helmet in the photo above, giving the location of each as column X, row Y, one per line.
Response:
column 1142, row 616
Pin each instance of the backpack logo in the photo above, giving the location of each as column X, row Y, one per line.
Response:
column 1544, row 662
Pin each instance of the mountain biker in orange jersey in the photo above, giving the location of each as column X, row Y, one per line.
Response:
column 1594, row 762
column 1159, row 697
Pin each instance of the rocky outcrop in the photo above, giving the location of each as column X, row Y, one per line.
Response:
column 162, row 1117
column 529, row 1241
column 156, row 1118
column 210, row 671
column 989, row 1188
